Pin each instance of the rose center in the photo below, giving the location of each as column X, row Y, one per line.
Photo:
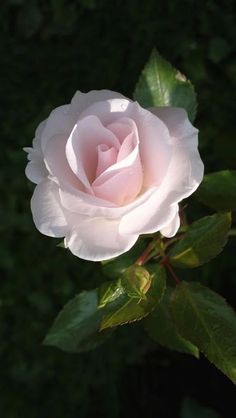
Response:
column 106, row 156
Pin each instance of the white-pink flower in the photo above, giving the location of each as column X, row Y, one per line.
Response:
column 108, row 170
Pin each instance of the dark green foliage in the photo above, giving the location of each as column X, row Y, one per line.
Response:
column 48, row 50
column 81, row 324
column 161, row 327
column 218, row 190
column 203, row 317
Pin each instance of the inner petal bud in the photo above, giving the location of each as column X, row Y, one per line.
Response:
column 106, row 157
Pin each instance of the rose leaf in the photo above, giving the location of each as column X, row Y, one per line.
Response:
column 204, row 318
column 160, row 84
column 218, row 190
column 203, row 241
column 161, row 328
column 84, row 322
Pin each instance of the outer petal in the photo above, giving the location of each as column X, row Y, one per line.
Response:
column 98, row 239
column 79, row 202
column 155, row 145
column 171, row 229
column 60, row 122
column 176, row 120
column 147, row 218
column 48, row 214
column 38, row 135
column 109, row 111
column 82, row 101
column 57, row 164
column 36, row 170
column 184, row 174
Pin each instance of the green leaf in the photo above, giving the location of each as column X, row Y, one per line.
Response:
column 161, row 328
column 218, row 190
column 204, row 318
column 80, row 325
column 117, row 266
column 203, row 241
column 76, row 327
column 162, row 85
column 192, row 409
column 128, row 309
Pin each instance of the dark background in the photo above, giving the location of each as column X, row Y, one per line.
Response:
column 48, row 50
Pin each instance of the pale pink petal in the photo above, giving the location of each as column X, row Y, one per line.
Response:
column 150, row 217
column 171, row 229
column 81, row 101
column 176, row 120
column 36, row 171
column 155, row 142
column 81, row 148
column 38, row 135
column 185, row 171
column 82, row 203
column 109, row 111
column 120, row 130
column 122, row 187
column 122, row 182
column 121, row 164
column 98, row 239
column 47, row 211
column 57, row 164
column 184, row 174
column 106, row 157
column 155, row 145
column 60, row 122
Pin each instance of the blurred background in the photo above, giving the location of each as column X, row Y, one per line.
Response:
column 48, row 50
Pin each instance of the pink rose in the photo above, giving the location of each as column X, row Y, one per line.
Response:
column 108, row 170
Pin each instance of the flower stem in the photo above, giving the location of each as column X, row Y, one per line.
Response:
column 165, row 262
column 146, row 255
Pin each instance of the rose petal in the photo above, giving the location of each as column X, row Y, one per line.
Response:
column 57, row 164
column 171, row 229
column 122, row 182
column 185, row 173
column 79, row 202
column 176, row 121
column 81, row 101
column 122, row 187
column 155, row 145
column 47, row 211
column 109, row 111
column 122, row 128
column 60, row 122
column 98, row 239
column 106, row 157
column 81, row 148
column 38, row 135
column 150, row 217
column 35, row 170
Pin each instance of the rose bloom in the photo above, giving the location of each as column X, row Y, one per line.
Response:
column 107, row 170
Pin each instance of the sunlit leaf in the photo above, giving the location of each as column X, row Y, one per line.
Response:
column 203, row 241
column 162, row 85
